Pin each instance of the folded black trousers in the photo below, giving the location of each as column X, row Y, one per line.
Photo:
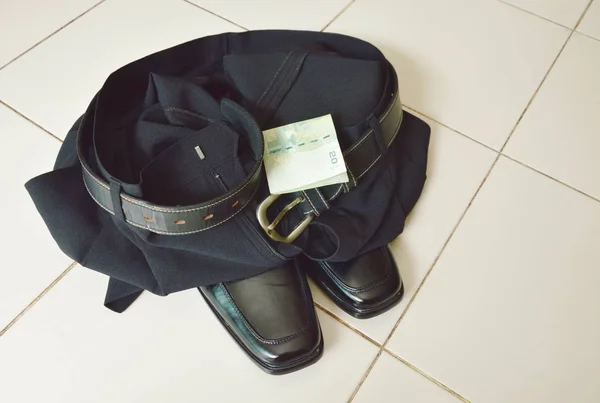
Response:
column 157, row 185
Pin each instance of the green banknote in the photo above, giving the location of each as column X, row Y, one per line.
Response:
column 303, row 155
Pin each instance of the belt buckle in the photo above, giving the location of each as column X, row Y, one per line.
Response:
column 269, row 228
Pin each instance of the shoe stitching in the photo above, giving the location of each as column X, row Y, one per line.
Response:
column 355, row 290
column 253, row 331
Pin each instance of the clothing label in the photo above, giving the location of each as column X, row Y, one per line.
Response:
column 303, row 155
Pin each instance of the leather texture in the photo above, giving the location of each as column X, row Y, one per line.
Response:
column 379, row 132
column 271, row 316
column 164, row 135
column 365, row 286
column 360, row 157
column 179, row 220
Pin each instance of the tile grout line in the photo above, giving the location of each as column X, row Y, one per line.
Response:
column 364, row 378
column 36, row 299
column 342, row 322
column 582, row 15
column 342, row 11
column 31, row 121
column 51, row 34
column 581, row 192
column 383, row 348
column 215, row 14
column 430, row 378
column 587, row 36
column 540, row 85
column 545, row 77
column 503, row 154
column 439, row 254
column 498, row 154
column 534, row 14
column 449, row 127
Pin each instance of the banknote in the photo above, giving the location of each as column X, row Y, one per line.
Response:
column 303, row 155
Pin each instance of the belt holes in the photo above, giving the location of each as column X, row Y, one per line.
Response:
column 236, row 203
column 208, row 217
column 148, row 219
column 179, row 222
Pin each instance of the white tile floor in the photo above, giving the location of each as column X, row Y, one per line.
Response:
column 500, row 257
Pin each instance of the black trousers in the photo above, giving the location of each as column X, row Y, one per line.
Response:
column 146, row 121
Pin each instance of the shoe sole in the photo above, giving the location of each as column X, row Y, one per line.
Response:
column 292, row 366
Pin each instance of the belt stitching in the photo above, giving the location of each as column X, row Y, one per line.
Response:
column 371, row 130
column 322, row 198
column 96, row 200
column 380, row 155
column 353, row 178
column 199, row 230
column 311, row 204
column 336, row 193
column 165, row 210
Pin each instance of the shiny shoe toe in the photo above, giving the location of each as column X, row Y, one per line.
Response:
column 365, row 286
column 272, row 318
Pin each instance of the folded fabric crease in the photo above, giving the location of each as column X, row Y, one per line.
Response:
column 129, row 175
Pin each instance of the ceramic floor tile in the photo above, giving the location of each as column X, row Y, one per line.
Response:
column 564, row 12
column 456, row 168
column 509, row 313
column 26, row 22
column 391, row 380
column 54, row 83
column 161, row 349
column 277, row 14
column 560, row 133
column 30, row 258
column 590, row 24
column 470, row 64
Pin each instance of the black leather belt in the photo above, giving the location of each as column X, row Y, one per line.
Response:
column 178, row 220
column 360, row 157
column 367, row 151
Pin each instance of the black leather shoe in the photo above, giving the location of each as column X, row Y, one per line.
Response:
column 365, row 286
column 272, row 317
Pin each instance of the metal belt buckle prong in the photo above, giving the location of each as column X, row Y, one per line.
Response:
column 269, row 227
